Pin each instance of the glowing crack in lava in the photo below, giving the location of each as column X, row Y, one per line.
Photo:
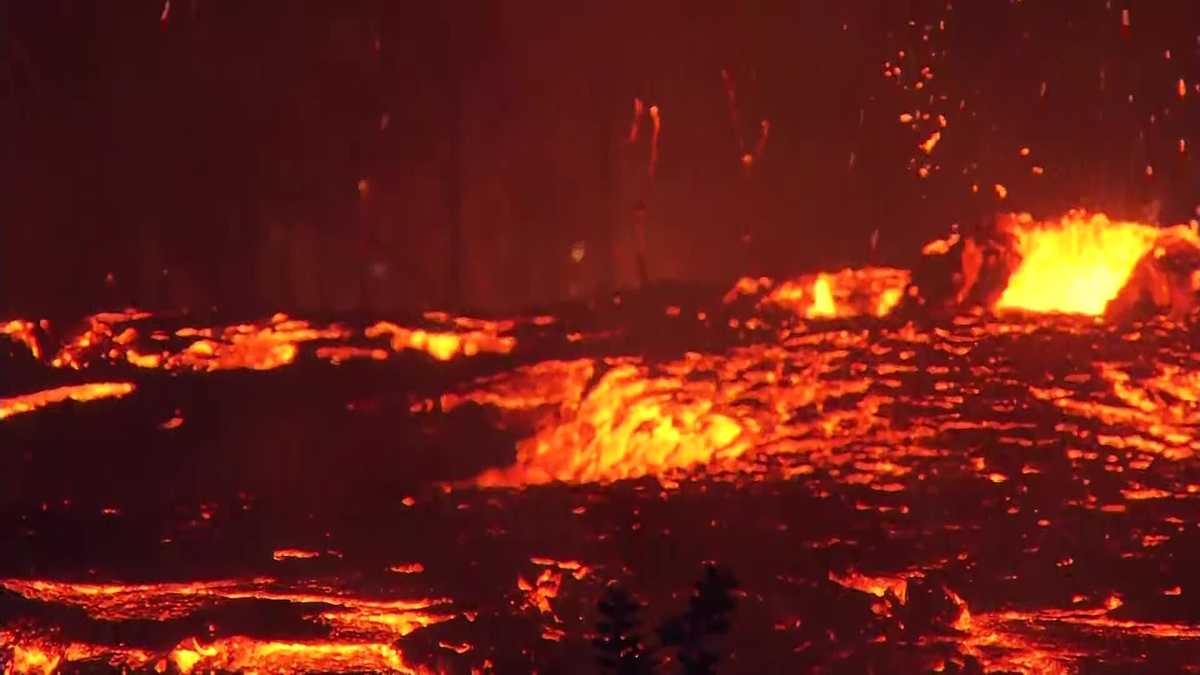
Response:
column 1075, row 266
column 76, row 392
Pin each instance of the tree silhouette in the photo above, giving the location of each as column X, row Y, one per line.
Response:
column 707, row 616
column 620, row 647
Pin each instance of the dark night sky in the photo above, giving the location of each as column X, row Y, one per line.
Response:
column 226, row 145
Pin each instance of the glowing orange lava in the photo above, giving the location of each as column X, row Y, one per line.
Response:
column 239, row 654
column 869, row 291
column 444, row 345
column 99, row 334
column 42, row 655
column 23, row 332
column 339, row 354
column 877, row 586
column 703, row 411
column 77, row 392
column 294, row 554
column 362, row 630
column 1075, row 266
column 629, row 424
column 264, row 345
column 1019, row 641
column 876, row 409
column 528, row 387
column 31, row 653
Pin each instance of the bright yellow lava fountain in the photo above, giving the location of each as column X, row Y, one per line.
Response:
column 1075, row 266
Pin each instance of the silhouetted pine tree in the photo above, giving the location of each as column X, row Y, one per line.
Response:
column 620, row 647
column 707, row 616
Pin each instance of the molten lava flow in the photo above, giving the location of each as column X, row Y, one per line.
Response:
column 23, row 332
column 239, row 654
column 251, row 347
column 1165, row 280
column 870, row 291
column 1156, row 414
column 34, row 653
column 264, row 345
column 77, row 392
column 704, row 411
column 1075, row 266
column 98, row 334
column 823, row 305
column 362, row 630
column 877, row 586
column 880, row 417
column 818, row 400
column 630, row 424
column 444, row 345
column 338, row 354
column 31, row 658
column 540, row 592
column 294, row 554
column 31, row 654
column 747, row 286
column 574, row 567
column 941, row 246
column 528, row 387
column 1027, row 641
column 346, row 615
column 1034, row 641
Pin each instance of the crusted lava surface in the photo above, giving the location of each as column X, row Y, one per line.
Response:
column 1012, row 493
